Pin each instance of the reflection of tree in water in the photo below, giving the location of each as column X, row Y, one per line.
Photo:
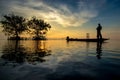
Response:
column 39, row 52
column 14, row 52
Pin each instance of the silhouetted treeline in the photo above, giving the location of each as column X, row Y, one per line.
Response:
column 14, row 25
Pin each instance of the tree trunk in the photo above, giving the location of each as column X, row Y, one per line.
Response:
column 16, row 35
column 37, row 34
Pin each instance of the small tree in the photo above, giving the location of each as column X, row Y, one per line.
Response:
column 39, row 27
column 13, row 25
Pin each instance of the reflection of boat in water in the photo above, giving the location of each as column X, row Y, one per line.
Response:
column 87, row 39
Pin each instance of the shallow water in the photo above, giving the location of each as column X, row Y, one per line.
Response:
column 59, row 60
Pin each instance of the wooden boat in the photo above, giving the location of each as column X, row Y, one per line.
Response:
column 87, row 40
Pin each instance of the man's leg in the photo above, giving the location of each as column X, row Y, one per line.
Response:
column 97, row 35
column 100, row 36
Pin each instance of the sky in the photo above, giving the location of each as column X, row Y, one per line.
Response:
column 72, row 18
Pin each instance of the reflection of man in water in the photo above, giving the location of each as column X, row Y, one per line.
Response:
column 99, row 28
column 99, row 49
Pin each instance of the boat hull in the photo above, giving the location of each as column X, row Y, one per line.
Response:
column 88, row 40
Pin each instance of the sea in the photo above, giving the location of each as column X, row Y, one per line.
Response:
column 59, row 60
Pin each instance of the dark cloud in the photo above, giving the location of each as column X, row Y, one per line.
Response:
column 54, row 11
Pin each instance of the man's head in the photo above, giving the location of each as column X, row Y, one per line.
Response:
column 99, row 24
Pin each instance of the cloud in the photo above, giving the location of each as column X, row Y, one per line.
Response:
column 61, row 15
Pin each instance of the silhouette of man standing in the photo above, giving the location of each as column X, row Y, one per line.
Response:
column 99, row 28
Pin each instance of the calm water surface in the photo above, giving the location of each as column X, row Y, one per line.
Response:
column 59, row 60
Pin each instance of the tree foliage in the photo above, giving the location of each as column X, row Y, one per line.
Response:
column 13, row 25
column 39, row 27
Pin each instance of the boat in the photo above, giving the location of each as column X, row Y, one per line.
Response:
column 87, row 40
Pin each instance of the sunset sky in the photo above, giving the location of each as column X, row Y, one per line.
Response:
column 72, row 18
